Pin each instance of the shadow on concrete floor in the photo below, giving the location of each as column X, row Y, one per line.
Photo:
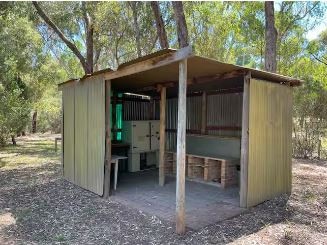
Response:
column 205, row 204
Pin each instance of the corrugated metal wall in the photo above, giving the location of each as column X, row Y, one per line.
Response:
column 84, row 133
column 270, row 142
column 225, row 111
column 68, row 95
column 139, row 110
column 96, row 135
column 224, row 116
column 81, row 134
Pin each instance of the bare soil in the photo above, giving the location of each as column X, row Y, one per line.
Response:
column 37, row 206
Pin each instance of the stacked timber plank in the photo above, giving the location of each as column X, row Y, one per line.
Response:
column 206, row 169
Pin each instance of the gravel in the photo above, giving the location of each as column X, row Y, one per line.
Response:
column 37, row 206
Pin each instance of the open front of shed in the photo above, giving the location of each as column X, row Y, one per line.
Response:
column 203, row 139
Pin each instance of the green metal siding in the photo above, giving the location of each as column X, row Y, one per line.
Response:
column 68, row 133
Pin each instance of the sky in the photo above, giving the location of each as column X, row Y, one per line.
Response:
column 313, row 34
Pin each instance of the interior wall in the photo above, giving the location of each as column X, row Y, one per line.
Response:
column 270, row 141
column 224, row 116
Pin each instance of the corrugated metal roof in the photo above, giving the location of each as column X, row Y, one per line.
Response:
column 198, row 66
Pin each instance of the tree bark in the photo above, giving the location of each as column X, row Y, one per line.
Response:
column 182, row 32
column 134, row 6
column 271, row 38
column 34, row 122
column 84, row 62
column 161, row 30
column 89, row 38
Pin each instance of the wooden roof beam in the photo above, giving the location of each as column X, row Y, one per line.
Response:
column 151, row 63
column 196, row 80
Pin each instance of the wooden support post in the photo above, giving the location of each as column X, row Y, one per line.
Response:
column 162, row 136
column 107, row 163
column 245, row 142
column 204, row 113
column 181, row 132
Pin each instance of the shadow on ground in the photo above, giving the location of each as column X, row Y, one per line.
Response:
column 48, row 209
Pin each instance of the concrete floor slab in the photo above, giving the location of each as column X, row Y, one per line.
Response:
column 205, row 204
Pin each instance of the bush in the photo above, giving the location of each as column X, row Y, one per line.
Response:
column 14, row 112
column 310, row 120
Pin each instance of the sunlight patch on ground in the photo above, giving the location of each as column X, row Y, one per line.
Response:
column 29, row 152
column 6, row 219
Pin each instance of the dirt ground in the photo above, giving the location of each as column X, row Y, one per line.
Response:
column 38, row 207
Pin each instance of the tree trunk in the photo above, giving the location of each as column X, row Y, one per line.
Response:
column 271, row 38
column 89, row 38
column 161, row 30
column 182, row 32
column 13, row 140
column 134, row 6
column 34, row 122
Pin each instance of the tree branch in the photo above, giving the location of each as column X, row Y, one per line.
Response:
column 320, row 60
column 62, row 36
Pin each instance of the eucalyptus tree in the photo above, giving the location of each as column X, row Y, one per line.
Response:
column 181, row 26
column 271, row 37
column 18, row 60
column 82, row 18
column 116, row 28
column 160, row 25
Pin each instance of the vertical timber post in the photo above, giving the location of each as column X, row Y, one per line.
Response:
column 204, row 113
column 245, row 142
column 162, row 136
column 107, row 162
column 181, row 133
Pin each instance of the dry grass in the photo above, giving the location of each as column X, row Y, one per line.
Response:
column 38, row 207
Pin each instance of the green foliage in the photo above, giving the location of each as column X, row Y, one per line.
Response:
column 49, row 112
column 310, row 111
column 35, row 60
column 14, row 109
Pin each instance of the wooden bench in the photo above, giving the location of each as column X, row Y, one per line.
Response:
column 219, row 169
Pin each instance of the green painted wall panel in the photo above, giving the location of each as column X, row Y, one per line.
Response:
column 213, row 146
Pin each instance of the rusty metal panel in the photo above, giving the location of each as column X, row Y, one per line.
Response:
column 270, row 145
column 224, row 111
column 81, row 128
column 193, row 113
column 68, row 95
column 224, row 116
column 96, row 134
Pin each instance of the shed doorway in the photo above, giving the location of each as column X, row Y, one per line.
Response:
column 213, row 145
